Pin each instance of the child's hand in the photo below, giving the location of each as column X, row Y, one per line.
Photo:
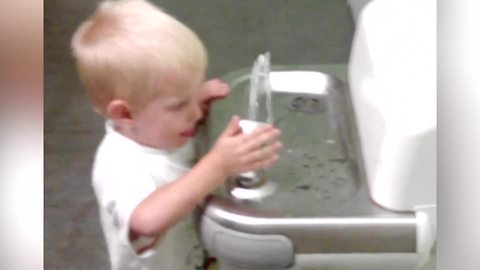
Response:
column 211, row 91
column 236, row 152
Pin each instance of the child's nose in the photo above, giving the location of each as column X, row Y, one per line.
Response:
column 197, row 113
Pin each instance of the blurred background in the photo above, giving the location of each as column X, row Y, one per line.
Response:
column 299, row 32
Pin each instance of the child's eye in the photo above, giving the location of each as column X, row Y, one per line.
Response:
column 180, row 105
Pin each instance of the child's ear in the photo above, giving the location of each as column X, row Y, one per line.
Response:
column 119, row 111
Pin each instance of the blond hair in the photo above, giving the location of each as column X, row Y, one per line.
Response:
column 125, row 47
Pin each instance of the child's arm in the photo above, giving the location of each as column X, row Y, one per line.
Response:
column 233, row 153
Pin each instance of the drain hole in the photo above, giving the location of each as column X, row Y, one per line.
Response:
column 298, row 102
column 307, row 104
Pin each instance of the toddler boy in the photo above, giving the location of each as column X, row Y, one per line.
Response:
column 144, row 72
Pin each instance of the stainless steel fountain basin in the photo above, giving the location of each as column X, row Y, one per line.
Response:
column 321, row 204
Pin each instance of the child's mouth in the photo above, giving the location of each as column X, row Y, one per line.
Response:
column 189, row 133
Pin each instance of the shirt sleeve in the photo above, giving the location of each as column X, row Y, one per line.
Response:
column 122, row 194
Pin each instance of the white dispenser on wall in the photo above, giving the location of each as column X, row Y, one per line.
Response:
column 392, row 76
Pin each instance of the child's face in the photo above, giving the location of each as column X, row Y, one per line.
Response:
column 171, row 118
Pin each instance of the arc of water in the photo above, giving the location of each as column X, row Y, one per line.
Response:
column 260, row 88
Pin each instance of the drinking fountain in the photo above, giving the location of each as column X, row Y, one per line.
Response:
column 355, row 184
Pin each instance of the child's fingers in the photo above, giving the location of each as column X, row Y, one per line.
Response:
column 264, row 163
column 263, row 153
column 213, row 90
column 220, row 91
column 261, row 129
column 257, row 140
column 233, row 127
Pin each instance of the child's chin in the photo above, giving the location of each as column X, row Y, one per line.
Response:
column 181, row 142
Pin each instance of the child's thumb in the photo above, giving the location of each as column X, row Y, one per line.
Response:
column 233, row 127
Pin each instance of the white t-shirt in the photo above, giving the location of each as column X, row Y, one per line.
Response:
column 124, row 173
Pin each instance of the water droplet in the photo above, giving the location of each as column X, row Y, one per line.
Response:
column 304, row 187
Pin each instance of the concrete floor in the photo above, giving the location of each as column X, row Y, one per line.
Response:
column 299, row 32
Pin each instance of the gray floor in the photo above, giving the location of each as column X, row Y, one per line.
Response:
column 299, row 32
